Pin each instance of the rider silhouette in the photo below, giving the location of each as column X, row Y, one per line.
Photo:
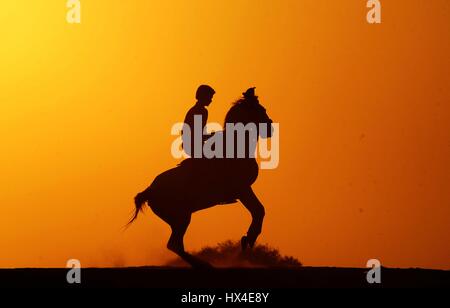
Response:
column 195, row 123
column 191, row 187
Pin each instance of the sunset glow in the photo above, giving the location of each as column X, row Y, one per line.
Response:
column 86, row 112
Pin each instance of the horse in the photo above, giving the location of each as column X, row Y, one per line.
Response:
column 199, row 184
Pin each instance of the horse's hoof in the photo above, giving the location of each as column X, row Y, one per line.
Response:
column 195, row 262
column 203, row 265
column 244, row 243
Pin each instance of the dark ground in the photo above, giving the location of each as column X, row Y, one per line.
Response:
column 154, row 277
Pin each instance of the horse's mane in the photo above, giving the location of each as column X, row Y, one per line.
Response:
column 234, row 115
column 239, row 101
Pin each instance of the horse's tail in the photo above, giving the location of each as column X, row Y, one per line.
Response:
column 139, row 201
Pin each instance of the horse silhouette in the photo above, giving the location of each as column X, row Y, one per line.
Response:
column 199, row 184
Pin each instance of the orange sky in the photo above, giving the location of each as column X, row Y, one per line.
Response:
column 86, row 112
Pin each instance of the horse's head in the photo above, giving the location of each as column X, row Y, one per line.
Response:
column 248, row 110
column 264, row 121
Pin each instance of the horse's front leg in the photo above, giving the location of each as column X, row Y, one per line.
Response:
column 251, row 202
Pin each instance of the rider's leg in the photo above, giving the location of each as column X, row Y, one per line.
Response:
column 251, row 202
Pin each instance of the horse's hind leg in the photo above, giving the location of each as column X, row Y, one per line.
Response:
column 179, row 227
column 252, row 203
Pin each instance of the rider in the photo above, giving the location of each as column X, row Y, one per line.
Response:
column 196, row 120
